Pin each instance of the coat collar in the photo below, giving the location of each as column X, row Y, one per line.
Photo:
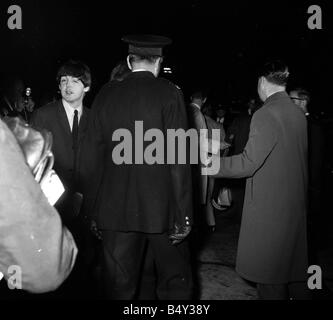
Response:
column 62, row 116
column 140, row 74
column 276, row 96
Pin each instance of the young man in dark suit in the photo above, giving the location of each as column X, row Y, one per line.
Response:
column 66, row 119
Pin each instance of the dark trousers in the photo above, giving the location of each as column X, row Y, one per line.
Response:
column 123, row 257
column 293, row 290
column 148, row 279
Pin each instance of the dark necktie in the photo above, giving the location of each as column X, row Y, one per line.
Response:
column 75, row 130
column 75, row 133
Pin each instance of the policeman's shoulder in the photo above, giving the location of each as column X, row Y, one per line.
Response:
column 170, row 84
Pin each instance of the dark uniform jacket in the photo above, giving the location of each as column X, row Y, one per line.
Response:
column 272, row 246
column 53, row 118
column 137, row 197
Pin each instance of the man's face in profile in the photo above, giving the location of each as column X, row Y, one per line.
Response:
column 299, row 101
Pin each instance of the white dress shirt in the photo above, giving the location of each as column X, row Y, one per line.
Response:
column 70, row 113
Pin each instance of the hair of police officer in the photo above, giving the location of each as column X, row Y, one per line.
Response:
column 198, row 95
column 135, row 58
column 275, row 72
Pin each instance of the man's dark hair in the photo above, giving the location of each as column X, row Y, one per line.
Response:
column 120, row 71
column 75, row 69
column 199, row 95
column 276, row 72
column 302, row 93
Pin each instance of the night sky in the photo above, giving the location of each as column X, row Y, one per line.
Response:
column 216, row 45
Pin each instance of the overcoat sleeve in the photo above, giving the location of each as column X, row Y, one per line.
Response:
column 262, row 140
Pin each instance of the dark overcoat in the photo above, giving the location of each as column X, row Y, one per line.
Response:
column 272, row 246
column 136, row 195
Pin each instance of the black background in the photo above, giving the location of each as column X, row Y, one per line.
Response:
column 216, row 45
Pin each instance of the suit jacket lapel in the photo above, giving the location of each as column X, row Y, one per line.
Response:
column 63, row 120
column 83, row 123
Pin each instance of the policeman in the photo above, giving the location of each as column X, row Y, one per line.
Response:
column 140, row 203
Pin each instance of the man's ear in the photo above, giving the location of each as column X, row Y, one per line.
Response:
column 128, row 62
column 262, row 83
column 86, row 89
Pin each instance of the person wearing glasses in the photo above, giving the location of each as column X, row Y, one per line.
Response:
column 301, row 98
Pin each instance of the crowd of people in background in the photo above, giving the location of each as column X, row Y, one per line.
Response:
column 120, row 216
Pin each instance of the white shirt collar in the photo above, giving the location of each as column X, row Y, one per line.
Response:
column 70, row 112
column 137, row 70
column 196, row 105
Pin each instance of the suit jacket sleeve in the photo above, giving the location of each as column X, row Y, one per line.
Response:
column 262, row 140
column 175, row 118
column 37, row 120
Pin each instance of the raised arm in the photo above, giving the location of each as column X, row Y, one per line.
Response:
column 262, row 140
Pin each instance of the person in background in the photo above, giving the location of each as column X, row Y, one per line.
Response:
column 237, row 135
column 197, row 121
column 120, row 71
column 214, row 120
column 301, row 98
column 316, row 155
column 16, row 99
